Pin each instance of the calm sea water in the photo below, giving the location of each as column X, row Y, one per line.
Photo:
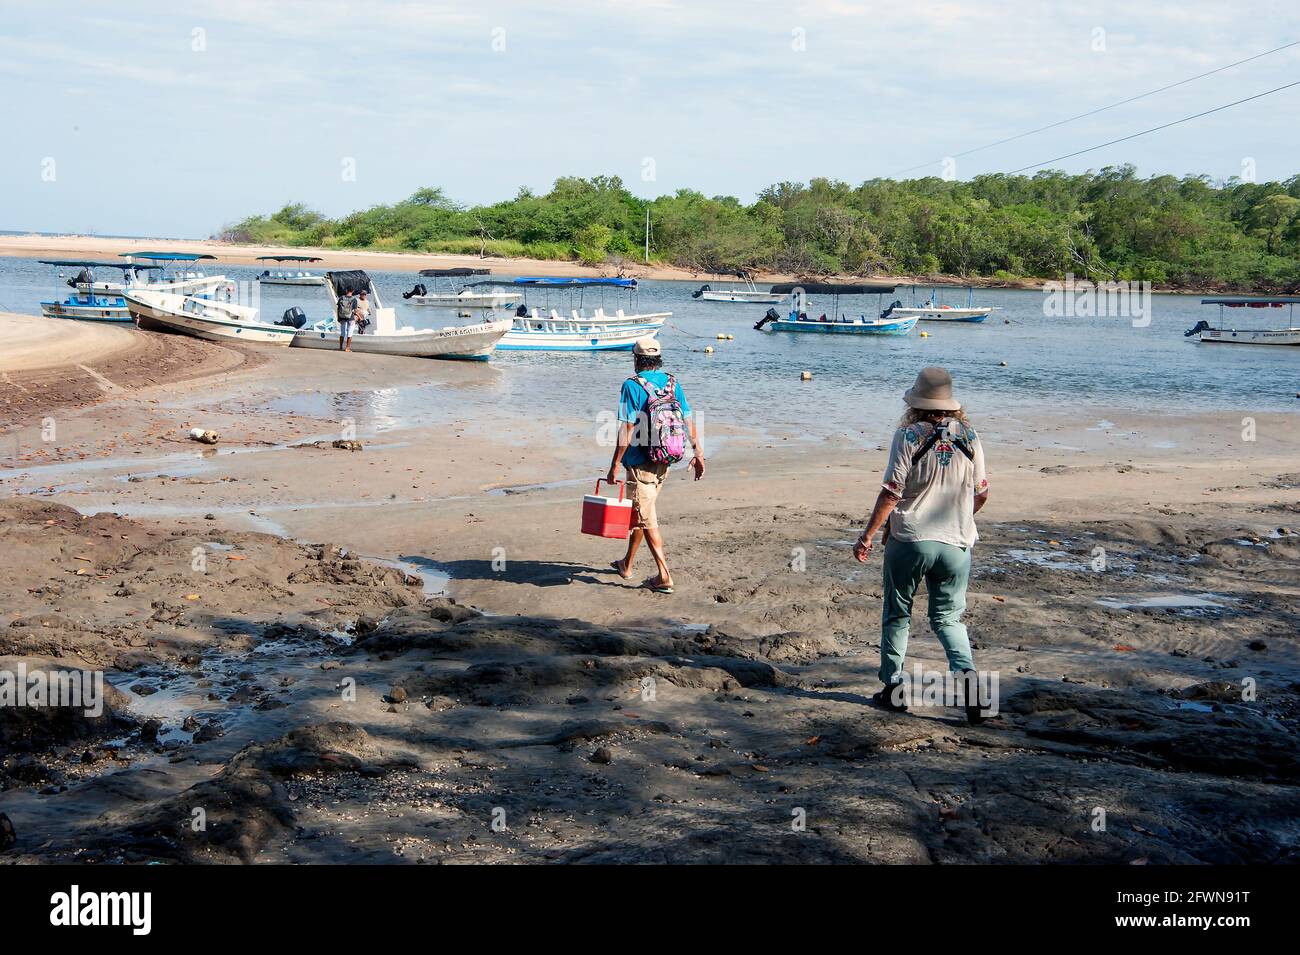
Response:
column 1054, row 365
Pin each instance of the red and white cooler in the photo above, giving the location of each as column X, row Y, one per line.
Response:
column 607, row 516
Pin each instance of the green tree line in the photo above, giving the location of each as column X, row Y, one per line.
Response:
column 1181, row 232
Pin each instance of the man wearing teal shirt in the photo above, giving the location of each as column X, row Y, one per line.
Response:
column 644, row 477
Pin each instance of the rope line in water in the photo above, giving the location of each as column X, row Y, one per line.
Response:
column 678, row 328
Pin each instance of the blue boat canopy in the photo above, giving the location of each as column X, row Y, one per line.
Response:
column 576, row 283
column 167, row 256
column 81, row 264
column 283, row 258
column 1252, row 301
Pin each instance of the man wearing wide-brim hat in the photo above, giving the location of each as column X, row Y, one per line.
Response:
column 934, row 484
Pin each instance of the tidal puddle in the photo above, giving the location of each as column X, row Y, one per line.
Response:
column 1204, row 604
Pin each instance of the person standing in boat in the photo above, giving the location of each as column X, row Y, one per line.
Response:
column 361, row 314
column 934, row 485
column 347, row 306
column 653, row 414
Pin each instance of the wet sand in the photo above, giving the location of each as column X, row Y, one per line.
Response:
column 387, row 651
column 51, row 365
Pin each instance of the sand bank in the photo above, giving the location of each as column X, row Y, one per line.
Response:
column 33, row 342
column 42, row 246
column 48, row 365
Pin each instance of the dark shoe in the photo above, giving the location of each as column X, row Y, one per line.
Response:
column 970, row 694
column 891, row 698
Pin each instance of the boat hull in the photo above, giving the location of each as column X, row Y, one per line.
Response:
column 165, row 311
column 98, row 310
column 943, row 314
column 474, row 342
column 1244, row 336
column 484, row 300
column 586, row 335
column 879, row 327
column 298, row 280
column 746, row 298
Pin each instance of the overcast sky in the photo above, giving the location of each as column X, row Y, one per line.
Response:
column 144, row 118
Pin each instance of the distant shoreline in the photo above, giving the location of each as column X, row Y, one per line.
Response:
column 38, row 245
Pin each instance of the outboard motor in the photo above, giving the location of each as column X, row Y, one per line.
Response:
column 772, row 316
column 418, row 290
column 896, row 303
column 700, row 291
column 521, row 311
column 81, row 278
column 1201, row 326
column 293, row 318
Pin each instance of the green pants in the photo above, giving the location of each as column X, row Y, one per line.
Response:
column 945, row 569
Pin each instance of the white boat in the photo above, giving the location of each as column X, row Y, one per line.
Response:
column 289, row 275
column 934, row 310
column 173, row 272
column 748, row 294
column 930, row 312
column 454, row 341
column 804, row 319
column 470, row 297
column 385, row 338
column 577, row 329
column 844, row 325
column 1210, row 335
column 204, row 317
column 101, row 301
column 90, row 300
column 597, row 331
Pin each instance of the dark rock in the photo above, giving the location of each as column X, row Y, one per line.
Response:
column 209, row 731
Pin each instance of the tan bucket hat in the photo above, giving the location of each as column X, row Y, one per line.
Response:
column 932, row 391
column 648, row 346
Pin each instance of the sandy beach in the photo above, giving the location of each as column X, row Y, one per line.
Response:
column 408, row 653
column 93, row 247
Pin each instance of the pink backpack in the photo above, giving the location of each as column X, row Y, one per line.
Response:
column 667, row 424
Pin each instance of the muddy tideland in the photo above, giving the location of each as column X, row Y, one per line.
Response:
column 333, row 642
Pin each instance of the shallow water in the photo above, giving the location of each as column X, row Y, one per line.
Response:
column 1052, row 363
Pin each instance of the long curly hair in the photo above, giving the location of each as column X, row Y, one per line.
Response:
column 916, row 415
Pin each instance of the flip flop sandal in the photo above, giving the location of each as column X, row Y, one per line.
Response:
column 657, row 588
column 618, row 568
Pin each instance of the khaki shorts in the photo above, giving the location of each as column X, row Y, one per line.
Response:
column 644, row 483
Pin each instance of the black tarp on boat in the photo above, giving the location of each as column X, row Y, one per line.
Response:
column 835, row 288
column 454, row 273
column 355, row 279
